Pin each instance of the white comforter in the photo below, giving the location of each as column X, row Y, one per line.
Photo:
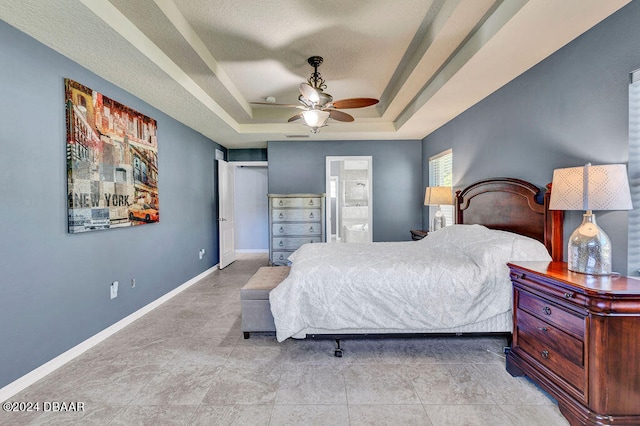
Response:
column 453, row 277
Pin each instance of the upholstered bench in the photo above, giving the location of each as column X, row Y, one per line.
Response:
column 254, row 296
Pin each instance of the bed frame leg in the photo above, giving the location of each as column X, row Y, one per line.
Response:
column 507, row 348
column 338, row 352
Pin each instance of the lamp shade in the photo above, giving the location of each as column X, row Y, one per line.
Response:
column 438, row 195
column 590, row 187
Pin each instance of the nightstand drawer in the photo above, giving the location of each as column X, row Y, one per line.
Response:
column 552, row 360
column 569, row 347
column 296, row 229
column 566, row 295
column 552, row 313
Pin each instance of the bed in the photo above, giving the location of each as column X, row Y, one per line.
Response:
column 453, row 282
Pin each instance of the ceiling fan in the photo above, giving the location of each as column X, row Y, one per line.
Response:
column 318, row 106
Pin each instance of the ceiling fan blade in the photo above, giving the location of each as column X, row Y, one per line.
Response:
column 339, row 115
column 295, row 117
column 354, row 103
column 276, row 105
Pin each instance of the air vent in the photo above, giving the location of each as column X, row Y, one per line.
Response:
column 297, row 136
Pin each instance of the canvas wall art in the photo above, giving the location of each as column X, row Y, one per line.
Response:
column 112, row 162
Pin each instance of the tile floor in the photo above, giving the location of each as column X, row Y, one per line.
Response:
column 186, row 363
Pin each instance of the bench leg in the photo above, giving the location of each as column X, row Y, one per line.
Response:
column 246, row 334
column 338, row 351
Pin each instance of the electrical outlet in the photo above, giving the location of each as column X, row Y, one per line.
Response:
column 133, row 283
column 114, row 289
column 201, row 253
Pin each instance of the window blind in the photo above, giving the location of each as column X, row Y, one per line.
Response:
column 633, row 245
column 441, row 174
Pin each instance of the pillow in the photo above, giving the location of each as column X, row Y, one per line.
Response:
column 525, row 248
column 456, row 235
column 500, row 247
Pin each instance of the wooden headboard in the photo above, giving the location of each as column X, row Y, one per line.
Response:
column 512, row 205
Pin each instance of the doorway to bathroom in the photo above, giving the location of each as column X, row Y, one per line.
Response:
column 349, row 210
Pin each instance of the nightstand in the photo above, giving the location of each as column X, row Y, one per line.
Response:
column 417, row 234
column 578, row 337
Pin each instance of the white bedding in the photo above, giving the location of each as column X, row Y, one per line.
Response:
column 454, row 277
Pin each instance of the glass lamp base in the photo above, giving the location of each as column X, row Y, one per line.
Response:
column 589, row 248
column 439, row 221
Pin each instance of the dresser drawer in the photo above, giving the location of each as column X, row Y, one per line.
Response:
column 552, row 360
column 296, row 202
column 552, row 313
column 283, row 215
column 292, row 243
column 569, row 347
column 280, row 257
column 296, row 229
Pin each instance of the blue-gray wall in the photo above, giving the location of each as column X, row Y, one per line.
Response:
column 300, row 167
column 568, row 110
column 249, row 154
column 54, row 286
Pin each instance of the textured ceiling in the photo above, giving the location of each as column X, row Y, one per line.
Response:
column 204, row 61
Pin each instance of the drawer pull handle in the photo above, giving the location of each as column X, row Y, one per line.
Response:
column 518, row 276
column 310, row 202
column 281, row 243
column 310, row 241
column 281, row 203
column 281, row 256
column 546, row 310
column 281, row 229
column 545, row 354
column 311, row 229
column 280, row 216
column 568, row 296
column 543, row 329
column 311, row 215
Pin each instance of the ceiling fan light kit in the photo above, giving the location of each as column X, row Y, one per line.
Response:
column 319, row 106
column 315, row 118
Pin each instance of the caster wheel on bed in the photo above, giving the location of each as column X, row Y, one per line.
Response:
column 338, row 353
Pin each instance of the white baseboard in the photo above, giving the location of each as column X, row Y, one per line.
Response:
column 30, row 378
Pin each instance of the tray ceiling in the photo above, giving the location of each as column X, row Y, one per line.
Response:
column 203, row 61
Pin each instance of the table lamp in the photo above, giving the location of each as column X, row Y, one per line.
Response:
column 590, row 188
column 437, row 196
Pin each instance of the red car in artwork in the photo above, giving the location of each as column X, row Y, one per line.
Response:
column 144, row 212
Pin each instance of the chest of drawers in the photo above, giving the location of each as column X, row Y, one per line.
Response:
column 578, row 337
column 294, row 219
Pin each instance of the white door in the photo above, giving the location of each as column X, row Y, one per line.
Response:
column 225, row 213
